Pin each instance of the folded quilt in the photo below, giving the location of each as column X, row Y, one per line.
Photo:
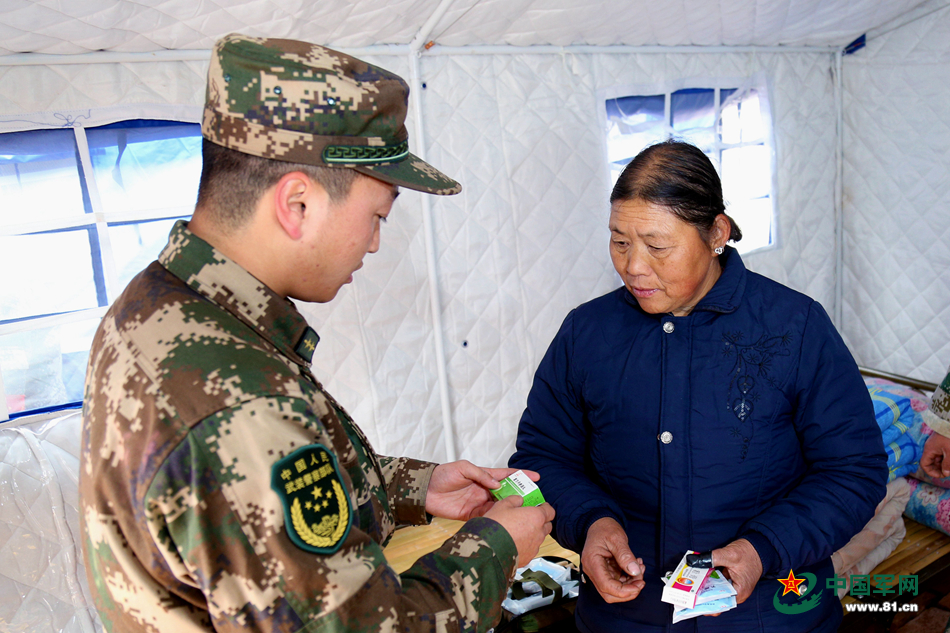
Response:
column 890, row 402
column 875, row 557
column 890, row 406
column 902, row 452
column 893, row 432
column 903, row 457
column 898, row 472
column 883, row 525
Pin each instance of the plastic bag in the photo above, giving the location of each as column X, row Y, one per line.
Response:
column 540, row 583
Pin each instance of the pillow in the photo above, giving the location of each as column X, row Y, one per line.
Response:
column 929, row 505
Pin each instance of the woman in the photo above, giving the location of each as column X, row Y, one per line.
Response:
column 699, row 407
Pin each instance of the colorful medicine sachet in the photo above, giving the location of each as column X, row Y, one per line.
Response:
column 697, row 591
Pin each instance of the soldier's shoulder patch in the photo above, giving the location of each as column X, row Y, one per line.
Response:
column 317, row 511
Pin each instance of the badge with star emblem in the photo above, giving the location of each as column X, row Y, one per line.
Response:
column 317, row 512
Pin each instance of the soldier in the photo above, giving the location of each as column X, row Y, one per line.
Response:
column 936, row 458
column 222, row 487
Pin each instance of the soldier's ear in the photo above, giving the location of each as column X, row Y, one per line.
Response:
column 297, row 199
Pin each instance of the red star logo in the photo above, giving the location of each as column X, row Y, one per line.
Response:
column 791, row 583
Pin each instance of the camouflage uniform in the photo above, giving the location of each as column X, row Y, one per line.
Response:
column 221, row 486
column 198, row 384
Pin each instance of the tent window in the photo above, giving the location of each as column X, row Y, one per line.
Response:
column 732, row 125
column 82, row 210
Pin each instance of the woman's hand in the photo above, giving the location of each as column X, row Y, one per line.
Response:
column 608, row 562
column 741, row 564
column 461, row 490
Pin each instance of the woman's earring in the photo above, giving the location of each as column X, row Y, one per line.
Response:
column 718, row 250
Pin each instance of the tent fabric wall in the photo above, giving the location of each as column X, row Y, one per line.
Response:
column 527, row 240
column 524, row 243
column 896, row 302
column 42, row 575
column 40, row 88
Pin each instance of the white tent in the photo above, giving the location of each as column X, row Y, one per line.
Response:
column 433, row 348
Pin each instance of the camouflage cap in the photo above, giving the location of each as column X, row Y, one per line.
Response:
column 304, row 103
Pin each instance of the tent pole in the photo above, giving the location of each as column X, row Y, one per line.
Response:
column 480, row 49
column 182, row 55
column 420, row 40
column 202, row 55
column 839, row 196
column 4, row 412
column 435, row 301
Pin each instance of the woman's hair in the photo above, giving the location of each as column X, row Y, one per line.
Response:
column 678, row 176
column 232, row 182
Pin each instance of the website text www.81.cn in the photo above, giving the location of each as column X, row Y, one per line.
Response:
column 883, row 607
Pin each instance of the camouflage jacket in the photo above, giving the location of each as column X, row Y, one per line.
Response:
column 222, row 488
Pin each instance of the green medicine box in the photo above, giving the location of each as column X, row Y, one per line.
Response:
column 519, row 484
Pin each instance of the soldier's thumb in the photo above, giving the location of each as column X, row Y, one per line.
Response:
column 512, row 501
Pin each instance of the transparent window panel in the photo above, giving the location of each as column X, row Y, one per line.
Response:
column 703, row 138
column 621, row 148
column 730, row 127
column 136, row 245
column 39, row 177
column 636, row 110
column 48, row 273
column 754, row 217
column 746, row 172
column 146, row 165
column 693, row 108
column 45, row 367
column 750, row 117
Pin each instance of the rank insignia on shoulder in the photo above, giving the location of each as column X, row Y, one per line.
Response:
column 307, row 344
column 317, row 512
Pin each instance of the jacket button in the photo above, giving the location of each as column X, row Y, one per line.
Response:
column 666, row 437
column 668, row 327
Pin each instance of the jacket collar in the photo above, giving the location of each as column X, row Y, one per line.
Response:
column 222, row 281
column 726, row 293
column 728, row 289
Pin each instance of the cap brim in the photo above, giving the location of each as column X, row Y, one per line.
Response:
column 413, row 173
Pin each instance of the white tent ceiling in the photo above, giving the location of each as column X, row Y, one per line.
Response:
column 72, row 27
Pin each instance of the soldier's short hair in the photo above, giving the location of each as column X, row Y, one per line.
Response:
column 233, row 182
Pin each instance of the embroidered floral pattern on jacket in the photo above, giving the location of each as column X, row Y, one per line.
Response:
column 752, row 362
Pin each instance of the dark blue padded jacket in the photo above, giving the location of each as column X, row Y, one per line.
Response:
column 747, row 418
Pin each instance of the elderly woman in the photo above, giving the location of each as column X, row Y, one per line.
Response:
column 699, row 407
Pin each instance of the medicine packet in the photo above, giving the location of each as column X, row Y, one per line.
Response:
column 715, row 596
column 684, row 584
column 518, row 483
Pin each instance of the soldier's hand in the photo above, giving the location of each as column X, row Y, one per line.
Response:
column 461, row 490
column 608, row 562
column 741, row 565
column 527, row 526
column 936, row 458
